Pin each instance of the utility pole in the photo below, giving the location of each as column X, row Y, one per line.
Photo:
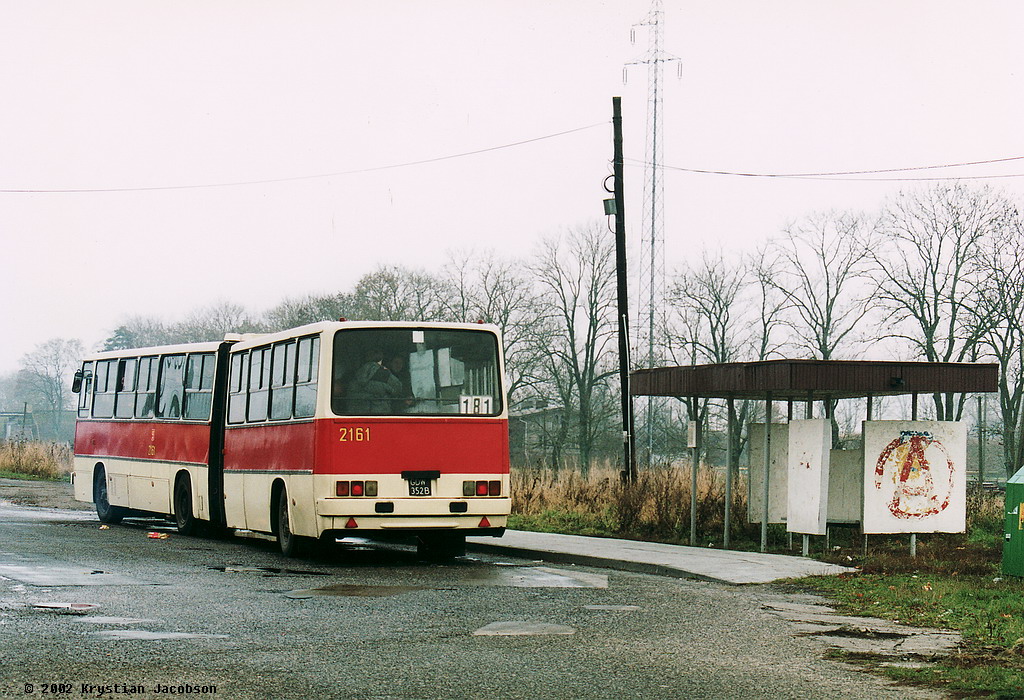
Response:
column 618, row 206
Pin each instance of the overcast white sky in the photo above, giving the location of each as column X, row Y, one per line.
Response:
column 128, row 95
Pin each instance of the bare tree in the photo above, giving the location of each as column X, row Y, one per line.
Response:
column 725, row 312
column 484, row 287
column 576, row 276
column 311, row 308
column 139, row 332
column 820, row 267
column 392, row 293
column 10, row 395
column 214, row 321
column 1002, row 299
column 45, row 376
column 927, row 271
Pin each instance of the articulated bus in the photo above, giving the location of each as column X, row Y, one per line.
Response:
column 329, row 430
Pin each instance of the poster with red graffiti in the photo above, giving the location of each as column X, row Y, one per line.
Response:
column 915, row 476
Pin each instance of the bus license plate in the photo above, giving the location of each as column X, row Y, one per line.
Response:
column 419, row 487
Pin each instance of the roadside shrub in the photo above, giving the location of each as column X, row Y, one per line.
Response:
column 46, row 460
column 654, row 507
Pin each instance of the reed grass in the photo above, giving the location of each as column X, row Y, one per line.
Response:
column 41, row 460
column 655, row 506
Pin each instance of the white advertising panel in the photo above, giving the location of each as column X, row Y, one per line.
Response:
column 846, row 486
column 779, row 473
column 810, row 442
column 915, row 476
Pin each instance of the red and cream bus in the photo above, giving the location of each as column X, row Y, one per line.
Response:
column 327, row 430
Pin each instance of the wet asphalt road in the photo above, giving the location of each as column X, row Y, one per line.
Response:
column 236, row 619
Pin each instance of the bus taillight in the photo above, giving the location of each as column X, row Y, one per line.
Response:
column 355, row 488
column 481, row 488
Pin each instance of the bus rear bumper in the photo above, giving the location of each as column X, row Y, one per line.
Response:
column 492, row 524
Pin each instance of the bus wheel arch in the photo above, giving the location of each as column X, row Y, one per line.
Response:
column 104, row 511
column 184, row 515
column 280, row 521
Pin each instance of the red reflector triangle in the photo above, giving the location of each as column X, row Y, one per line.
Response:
column 484, row 522
column 351, row 523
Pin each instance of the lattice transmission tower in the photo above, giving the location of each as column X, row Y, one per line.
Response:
column 650, row 342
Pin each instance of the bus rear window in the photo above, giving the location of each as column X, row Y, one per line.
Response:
column 396, row 371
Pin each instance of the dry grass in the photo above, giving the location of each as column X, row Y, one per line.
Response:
column 44, row 460
column 656, row 506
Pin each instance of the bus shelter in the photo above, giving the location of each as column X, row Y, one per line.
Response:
column 805, row 382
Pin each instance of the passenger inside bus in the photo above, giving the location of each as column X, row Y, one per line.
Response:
column 398, row 367
column 374, row 388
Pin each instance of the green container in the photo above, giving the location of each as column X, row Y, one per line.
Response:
column 1013, row 547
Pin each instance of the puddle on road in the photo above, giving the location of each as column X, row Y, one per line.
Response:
column 67, row 608
column 520, row 628
column 536, row 577
column 101, row 620
column 149, row 636
column 351, row 591
column 43, row 571
column 266, row 571
column 14, row 512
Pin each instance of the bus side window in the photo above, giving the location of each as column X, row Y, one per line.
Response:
column 237, row 387
column 306, row 377
column 85, row 395
column 170, row 386
column 282, row 381
column 259, row 385
column 106, row 382
column 124, row 403
column 146, row 387
column 199, row 386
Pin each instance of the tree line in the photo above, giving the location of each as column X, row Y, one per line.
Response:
column 936, row 274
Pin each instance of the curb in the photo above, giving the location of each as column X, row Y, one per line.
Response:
column 598, row 562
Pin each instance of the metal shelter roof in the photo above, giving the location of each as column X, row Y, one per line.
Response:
column 814, row 380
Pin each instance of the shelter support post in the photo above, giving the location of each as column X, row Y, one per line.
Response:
column 694, row 452
column 766, row 472
column 729, row 406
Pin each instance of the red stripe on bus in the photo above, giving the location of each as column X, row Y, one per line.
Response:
column 270, row 447
column 168, row 442
column 394, row 445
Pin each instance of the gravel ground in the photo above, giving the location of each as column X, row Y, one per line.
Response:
column 44, row 494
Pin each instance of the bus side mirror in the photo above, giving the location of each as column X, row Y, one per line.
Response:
column 76, row 383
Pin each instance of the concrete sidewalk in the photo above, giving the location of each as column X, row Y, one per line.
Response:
column 723, row 566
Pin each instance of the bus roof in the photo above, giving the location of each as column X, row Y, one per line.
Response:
column 255, row 340
column 247, row 340
column 155, row 350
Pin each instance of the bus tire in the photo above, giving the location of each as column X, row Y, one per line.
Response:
column 104, row 511
column 440, row 546
column 288, row 541
column 184, row 519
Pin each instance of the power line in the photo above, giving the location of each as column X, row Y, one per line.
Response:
column 842, row 176
column 302, row 177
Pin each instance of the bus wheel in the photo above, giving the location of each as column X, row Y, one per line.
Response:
column 288, row 541
column 104, row 511
column 184, row 519
column 440, row 546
